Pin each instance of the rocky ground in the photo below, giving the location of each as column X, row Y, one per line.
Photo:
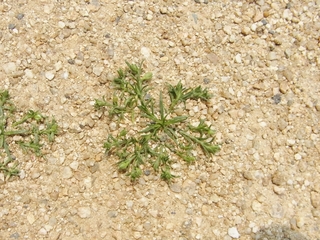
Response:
column 260, row 59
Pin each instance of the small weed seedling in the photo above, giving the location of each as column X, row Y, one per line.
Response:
column 164, row 135
column 26, row 132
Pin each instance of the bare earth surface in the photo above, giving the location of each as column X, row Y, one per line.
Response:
column 260, row 60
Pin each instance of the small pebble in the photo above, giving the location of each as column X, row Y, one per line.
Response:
column 282, row 124
column 42, row 231
column 206, row 81
column 237, row 59
column 278, row 40
column 315, row 199
column 84, row 212
column 245, row 31
column 110, row 52
column 147, row 172
column 20, row 16
column 145, row 52
column 112, row 214
column 175, row 187
column 49, row 75
column 66, row 172
column 11, row 26
column 15, row 235
column 61, row 24
column 30, row 218
column 163, row 10
column 278, row 178
column 279, row 190
column 277, row 98
column 297, row 157
column 258, row 16
column 233, row 232
column 284, row 87
column 71, row 61
column 97, row 70
column 149, row 17
column 272, row 56
column 227, row 29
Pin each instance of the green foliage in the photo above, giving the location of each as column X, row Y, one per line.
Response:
column 165, row 135
column 31, row 128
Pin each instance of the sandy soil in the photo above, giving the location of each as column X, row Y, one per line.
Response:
column 260, row 60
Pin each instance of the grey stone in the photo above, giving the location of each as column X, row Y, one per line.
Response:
column 277, row 98
column 112, row 214
column 11, row 26
column 19, row 16
column 189, row 187
column 175, row 187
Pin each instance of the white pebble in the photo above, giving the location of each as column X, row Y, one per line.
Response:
column 30, row 218
column 22, row 175
column 279, row 190
column 145, row 52
column 254, row 27
column 66, row 172
column 84, row 212
column 287, row 14
column 9, row 67
column 113, row 126
column 273, row 56
column 233, row 232
column 65, row 75
column 97, row 70
column 227, row 29
column 28, row 73
column 163, row 10
column 149, row 17
column 237, row 59
column 49, row 75
column 171, row 44
column 74, row 165
column 129, row 204
column 61, row 24
column 42, row 231
column 58, row 66
column 297, row 157
column 291, row 142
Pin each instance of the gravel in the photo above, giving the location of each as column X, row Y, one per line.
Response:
column 259, row 59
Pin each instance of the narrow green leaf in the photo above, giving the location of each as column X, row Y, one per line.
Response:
column 147, row 76
column 99, row 103
column 135, row 173
column 152, row 128
column 188, row 157
column 161, row 107
column 175, row 120
column 166, row 175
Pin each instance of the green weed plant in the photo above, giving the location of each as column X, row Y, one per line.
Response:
column 31, row 128
column 165, row 135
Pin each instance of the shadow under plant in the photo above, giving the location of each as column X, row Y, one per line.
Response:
column 161, row 134
column 276, row 232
